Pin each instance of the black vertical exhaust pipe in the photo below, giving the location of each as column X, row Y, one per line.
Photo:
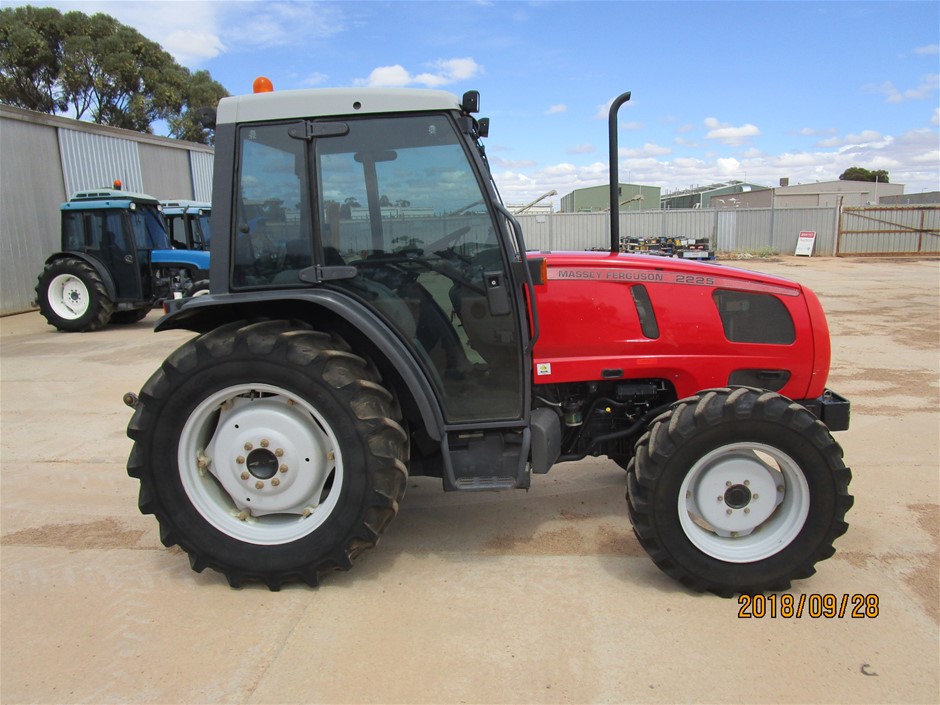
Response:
column 615, row 172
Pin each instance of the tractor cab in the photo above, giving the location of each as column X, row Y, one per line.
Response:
column 118, row 230
column 187, row 223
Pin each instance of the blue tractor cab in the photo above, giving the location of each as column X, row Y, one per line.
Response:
column 116, row 262
column 187, row 223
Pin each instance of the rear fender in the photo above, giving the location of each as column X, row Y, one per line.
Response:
column 321, row 308
column 95, row 264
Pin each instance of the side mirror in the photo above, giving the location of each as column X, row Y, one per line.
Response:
column 483, row 127
column 471, row 102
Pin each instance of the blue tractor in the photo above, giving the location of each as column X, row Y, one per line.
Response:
column 116, row 263
column 187, row 223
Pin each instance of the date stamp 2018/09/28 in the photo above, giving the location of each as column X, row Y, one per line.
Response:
column 812, row 605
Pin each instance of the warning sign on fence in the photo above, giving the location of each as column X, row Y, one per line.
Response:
column 804, row 246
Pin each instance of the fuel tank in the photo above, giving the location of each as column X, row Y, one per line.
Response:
column 694, row 324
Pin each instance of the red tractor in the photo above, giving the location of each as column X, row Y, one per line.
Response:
column 374, row 313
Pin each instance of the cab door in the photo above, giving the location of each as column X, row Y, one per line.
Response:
column 399, row 199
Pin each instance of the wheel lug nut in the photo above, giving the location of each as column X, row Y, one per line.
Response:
column 248, row 446
column 747, row 482
column 728, row 512
column 720, row 498
column 780, row 488
column 275, row 482
column 259, row 485
column 755, row 496
column 283, row 468
column 264, row 443
column 240, row 460
column 747, row 511
column 728, row 483
column 279, row 452
column 245, row 475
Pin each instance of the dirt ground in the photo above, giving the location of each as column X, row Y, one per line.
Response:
column 537, row 597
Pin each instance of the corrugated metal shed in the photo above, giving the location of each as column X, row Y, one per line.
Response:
column 165, row 172
column 44, row 159
column 31, row 190
column 200, row 165
column 91, row 161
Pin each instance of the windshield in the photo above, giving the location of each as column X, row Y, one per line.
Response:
column 149, row 231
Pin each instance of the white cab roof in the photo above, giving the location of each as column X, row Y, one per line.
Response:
column 325, row 102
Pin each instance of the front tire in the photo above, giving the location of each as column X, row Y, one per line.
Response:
column 738, row 491
column 268, row 452
column 72, row 297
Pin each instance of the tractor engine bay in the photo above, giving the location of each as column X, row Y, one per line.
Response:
column 591, row 412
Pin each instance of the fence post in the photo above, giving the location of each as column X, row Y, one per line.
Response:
column 838, row 220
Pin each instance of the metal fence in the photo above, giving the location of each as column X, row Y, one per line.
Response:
column 751, row 229
column 902, row 230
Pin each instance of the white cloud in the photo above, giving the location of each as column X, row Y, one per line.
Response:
column 928, row 50
column 557, row 108
column 315, row 79
column 269, row 24
column 647, row 150
column 189, row 46
column 728, row 166
column 196, row 31
column 928, row 85
column 448, row 71
column 866, row 138
column 728, row 134
column 388, row 76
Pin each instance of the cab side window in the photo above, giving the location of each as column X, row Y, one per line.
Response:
column 272, row 234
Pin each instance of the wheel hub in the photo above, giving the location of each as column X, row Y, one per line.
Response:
column 737, row 496
column 262, row 463
column 734, row 493
column 68, row 296
column 270, row 456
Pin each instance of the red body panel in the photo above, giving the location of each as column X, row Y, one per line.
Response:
column 590, row 328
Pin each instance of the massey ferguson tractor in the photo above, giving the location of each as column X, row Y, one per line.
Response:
column 374, row 314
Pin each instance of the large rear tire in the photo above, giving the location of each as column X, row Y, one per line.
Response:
column 738, row 491
column 72, row 297
column 268, row 452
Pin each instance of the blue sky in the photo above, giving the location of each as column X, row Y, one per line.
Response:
column 752, row 91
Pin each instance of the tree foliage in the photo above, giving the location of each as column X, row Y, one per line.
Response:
column 857, row 173
column 95, row 68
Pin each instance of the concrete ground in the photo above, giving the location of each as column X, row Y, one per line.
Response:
column 537, row 597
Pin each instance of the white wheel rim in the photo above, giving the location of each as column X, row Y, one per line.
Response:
column 256, row 463
column 743, row 502
column 68, row 297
